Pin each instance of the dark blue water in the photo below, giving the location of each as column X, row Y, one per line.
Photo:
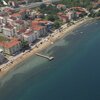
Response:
column 74, row 74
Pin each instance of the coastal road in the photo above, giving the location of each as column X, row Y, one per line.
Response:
column 33, row 5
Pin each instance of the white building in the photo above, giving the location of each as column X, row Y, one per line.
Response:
column 30, row 36
column 19, row 24
column 3, row 19
column 9, row 30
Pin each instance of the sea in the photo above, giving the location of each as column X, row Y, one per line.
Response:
column 74, row 74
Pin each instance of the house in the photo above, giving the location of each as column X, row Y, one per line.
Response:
column 17, row 15
column 63, row 17
column 25, row 13
column 30, row 35
column 10, row 20
column 20, row 33
column 39, row 15
column 42, row 26
column 11, row 47
column 61, row 6
column 9, row 30
column 36, row 27
column 80, row 9
column 40, row 30
column 3, row 18
column 48, row 25
column 79, row 14
column 19, row 24
column 8, row 10
column 12, row 3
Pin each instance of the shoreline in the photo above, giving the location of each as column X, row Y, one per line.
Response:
column 47, row 41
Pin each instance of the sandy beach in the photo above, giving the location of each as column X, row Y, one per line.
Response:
column 44, row 43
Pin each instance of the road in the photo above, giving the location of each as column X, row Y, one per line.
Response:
column 33, row 5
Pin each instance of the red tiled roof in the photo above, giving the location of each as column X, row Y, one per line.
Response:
column 98, row 2
column 8, row 26
column 37, row 28
column 22, row 30
column 2, row 15
column 19, row 21
column 29, row 32
column 64, row 16
column 10, row 44
column 16, row 15
column 35, row 23
column 8, row 10
column 44, row 21
column 78, row 13
column 60, row 13
column 13, row 18
column 22, row 11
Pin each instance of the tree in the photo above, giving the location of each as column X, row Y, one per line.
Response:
column 24, row 43
column 56, row 24
column 42, row 6
column 97, row 14
column 51, row 18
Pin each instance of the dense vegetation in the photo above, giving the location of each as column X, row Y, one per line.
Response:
column 51, row 14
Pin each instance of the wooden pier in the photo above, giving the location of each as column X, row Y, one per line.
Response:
column 44, row 56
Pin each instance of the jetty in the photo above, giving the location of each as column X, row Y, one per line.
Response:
column 44, row 56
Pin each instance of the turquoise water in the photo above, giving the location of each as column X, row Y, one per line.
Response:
column 74, row 74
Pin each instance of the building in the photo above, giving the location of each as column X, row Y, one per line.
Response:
column 30, row 36
column 17, row 15
column 3, row 18
column 19, row 24
column 40, row 30
column 61, row 6
column 11, row 47
column 2, row 58
column 9, row 30
column 40, row 26
column 8, row 10
column 63, row 17
column 25, row 13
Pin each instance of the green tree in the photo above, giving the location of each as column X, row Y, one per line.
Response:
column 56, row 24
column 51, row 18
column 24, row 43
